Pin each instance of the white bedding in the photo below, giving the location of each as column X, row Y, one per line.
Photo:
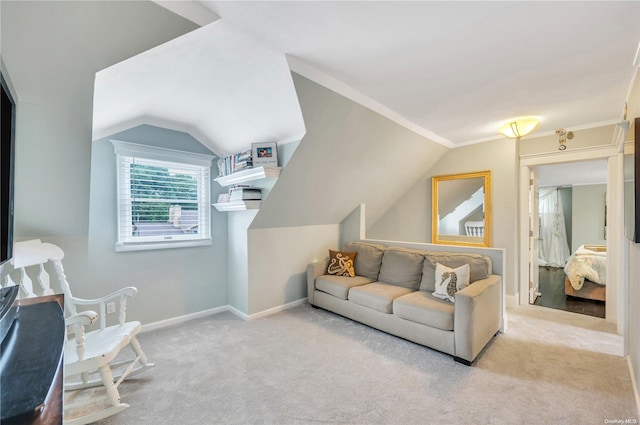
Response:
column 588, row 264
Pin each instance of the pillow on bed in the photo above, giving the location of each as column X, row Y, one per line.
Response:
column 341, row 263
column 449, row 281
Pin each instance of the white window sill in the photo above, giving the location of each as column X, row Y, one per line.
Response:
column 145, row 246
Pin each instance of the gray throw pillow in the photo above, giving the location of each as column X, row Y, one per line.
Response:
column 367, row 262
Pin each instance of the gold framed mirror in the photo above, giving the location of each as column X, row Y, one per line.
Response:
column 461, row 209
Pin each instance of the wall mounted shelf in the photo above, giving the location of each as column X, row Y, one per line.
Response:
column 249, row 174
column 237, row 205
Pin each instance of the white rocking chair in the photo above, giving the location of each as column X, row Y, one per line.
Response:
column 87, row 354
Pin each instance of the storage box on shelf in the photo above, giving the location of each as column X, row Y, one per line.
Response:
column 246, row 175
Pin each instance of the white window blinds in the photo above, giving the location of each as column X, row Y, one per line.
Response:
column 163, row 197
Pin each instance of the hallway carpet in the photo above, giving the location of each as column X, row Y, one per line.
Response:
column 309, row 366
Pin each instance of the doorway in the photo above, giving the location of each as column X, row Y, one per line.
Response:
column 571, row 219
column 607, row 155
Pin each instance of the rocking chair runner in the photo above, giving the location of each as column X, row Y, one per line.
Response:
column 86, row 353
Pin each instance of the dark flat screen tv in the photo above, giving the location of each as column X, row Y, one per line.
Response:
column 7, row 135
column 632, row 188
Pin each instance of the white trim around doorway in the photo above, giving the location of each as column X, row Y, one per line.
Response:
column 615, row 233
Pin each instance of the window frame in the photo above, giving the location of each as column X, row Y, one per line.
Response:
column 123, row 151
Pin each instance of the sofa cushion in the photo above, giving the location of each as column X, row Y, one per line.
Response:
column 401, row 267
column 341, row 263
column 422, row 307
column 378, row 296
column 339, row 286
column 479, row 266
column 449, row 281
column 367, row 262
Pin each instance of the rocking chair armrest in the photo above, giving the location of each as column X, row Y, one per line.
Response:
column 84, row 318
column 120, row 296
column 77, row 322
column 129, row 291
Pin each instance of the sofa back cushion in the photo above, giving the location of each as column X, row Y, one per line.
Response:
column 402, row 267
column 479, row 265
column 368, row 258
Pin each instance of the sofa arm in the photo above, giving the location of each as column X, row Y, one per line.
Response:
column 314, row 270
column 477, row 316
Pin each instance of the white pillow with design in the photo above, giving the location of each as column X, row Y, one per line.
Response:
column 449, row 281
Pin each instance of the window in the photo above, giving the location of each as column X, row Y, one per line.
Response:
column 163, row 197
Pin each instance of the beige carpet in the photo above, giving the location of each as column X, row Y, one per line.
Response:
column 308, row 366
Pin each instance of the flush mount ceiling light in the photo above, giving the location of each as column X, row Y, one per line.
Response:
column 517, row 128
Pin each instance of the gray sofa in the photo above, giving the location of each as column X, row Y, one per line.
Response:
column 392, row 291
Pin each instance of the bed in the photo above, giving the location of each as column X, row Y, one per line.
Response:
column 586, row 273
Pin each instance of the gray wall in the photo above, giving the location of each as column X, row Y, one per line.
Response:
column 171, row 282
column 52, row 51
column 278, row 258
column 588, row 205
column 350, row 155
column 409, row 218
column 633, row 296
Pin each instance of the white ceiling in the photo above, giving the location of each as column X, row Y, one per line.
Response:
column 223, row 87
column 459, row 69
column 452, row 71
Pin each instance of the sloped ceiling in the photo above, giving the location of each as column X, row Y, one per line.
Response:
column 225, row 88
column 454, row 71
column 349, row 155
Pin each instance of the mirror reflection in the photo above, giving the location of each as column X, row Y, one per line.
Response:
column 461, row 209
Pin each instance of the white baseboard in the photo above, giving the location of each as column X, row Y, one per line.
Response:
column 276, row 309
column 634, row 384
column 175, row 320
column 237, row 312
column 512, row 301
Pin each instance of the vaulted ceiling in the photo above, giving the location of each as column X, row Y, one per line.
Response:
column 451, row 71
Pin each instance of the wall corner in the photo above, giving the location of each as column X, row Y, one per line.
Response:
column 352, row 228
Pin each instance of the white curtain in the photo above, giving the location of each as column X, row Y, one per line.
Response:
column 554, row 249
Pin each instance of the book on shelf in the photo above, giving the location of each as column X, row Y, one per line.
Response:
column 232, row 163
column 245, row 193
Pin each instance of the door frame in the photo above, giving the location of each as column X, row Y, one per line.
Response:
column 534, row 236
column 615, row 222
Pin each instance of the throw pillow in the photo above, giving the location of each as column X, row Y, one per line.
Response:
column 449, row 281
column 368, row 259
column 341, row 263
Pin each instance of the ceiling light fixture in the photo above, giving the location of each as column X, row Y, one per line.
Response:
column 517, row 128
column 563, row 135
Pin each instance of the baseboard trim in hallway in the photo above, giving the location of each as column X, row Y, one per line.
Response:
column 634, row 384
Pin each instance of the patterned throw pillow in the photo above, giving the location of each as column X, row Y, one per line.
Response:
column 341, row 263
column 449, row 281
